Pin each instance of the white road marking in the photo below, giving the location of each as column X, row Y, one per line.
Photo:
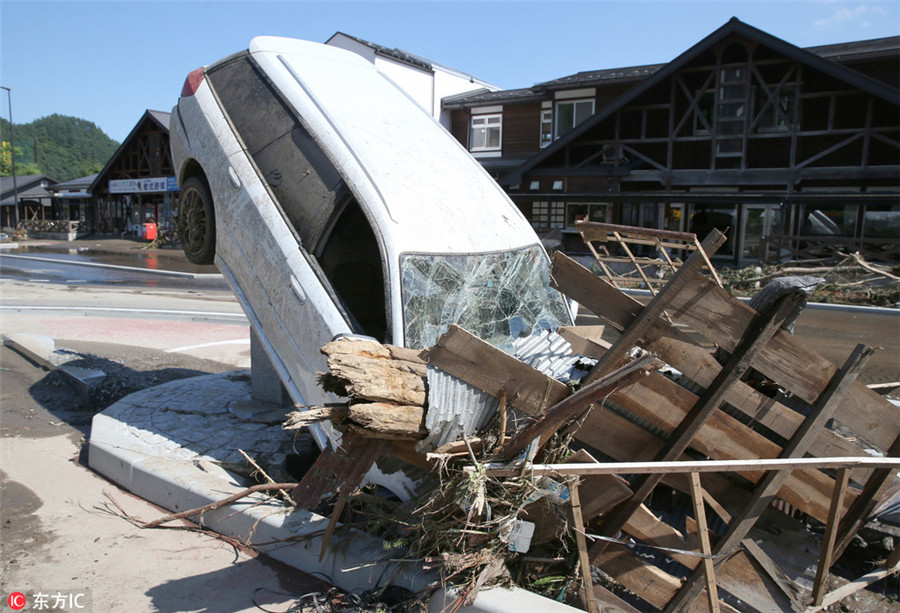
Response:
column 237, row 341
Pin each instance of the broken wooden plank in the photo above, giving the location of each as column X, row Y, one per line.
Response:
column 652, row 312
column 339, row 471
column 584, row 562
column 756, row 337
column 831, row 527
column 585, row 340
column 831, row 397
column 391, row 421
column 862, row 507
column 709, row 570
column 649, row 582
column 470, row 359
column 891, row 566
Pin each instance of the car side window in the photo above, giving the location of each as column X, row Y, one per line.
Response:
column 351, row 260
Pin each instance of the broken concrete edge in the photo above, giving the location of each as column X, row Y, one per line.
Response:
column 168, row 273
column 354, row 561
column 41, row 350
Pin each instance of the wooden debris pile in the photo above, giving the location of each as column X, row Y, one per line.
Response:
column 737, row 392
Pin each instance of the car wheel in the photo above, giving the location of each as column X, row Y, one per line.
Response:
column 196, row 221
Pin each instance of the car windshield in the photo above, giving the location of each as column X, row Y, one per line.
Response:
column 499, row 297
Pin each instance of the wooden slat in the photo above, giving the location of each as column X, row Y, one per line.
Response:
column 618, row 310
column 709, row 571
column 756, row 337
column 824, row 407
column 339, row 471
column 638, row 326
column 584, row 562
column 647, row 581
column 721, row 317
column 482, row 365
column 831, row 526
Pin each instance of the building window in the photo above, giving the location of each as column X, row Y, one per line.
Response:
column 585, row 212
column 547, row 215
column 570, row 113
column 780, row 114
column 546, row 128
column 486, row 133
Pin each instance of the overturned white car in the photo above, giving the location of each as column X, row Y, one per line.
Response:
column 335, row 205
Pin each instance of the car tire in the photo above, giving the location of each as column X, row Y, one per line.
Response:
column 196, row 221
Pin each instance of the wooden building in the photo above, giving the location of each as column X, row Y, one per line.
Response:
column 783, row 148
column 138, row 183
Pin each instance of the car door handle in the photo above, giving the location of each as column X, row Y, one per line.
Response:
column 298, row 290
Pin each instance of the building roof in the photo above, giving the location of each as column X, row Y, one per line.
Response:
column 79, row 184
column 161, row 118
column 841, row 53
column 26, row 187
column 858, row 50
column 733, row 26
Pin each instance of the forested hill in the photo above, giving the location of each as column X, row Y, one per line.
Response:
column 67, row 147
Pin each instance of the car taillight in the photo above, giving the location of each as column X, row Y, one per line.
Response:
column 192, row 82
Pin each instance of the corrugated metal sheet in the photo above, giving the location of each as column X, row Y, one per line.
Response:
column 455, row 407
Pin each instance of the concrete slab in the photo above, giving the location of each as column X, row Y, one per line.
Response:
column 176, row 445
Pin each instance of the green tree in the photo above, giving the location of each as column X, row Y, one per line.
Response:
column 65, row 147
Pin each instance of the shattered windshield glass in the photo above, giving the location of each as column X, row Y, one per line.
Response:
column 496, row 296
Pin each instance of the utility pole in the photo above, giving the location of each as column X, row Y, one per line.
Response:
column 12, row 157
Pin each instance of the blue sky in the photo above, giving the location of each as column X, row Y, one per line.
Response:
column 109, row 61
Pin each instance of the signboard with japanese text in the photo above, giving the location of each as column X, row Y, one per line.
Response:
column 142, row 186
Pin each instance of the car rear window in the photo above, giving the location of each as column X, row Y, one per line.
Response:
column 306, row 185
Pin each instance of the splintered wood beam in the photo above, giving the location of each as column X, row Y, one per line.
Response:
column 641, row 324
column 825, row 557
column 764, row 326
column 709, row 570
column 762, row 496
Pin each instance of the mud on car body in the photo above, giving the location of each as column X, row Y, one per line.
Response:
column 335, row 205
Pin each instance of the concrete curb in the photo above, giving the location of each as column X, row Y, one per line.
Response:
column 42, row 351
column 167, row 273
column 169, row 444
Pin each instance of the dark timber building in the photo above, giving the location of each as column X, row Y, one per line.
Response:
column 786, row 148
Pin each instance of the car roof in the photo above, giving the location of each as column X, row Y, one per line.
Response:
column 417, row 183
